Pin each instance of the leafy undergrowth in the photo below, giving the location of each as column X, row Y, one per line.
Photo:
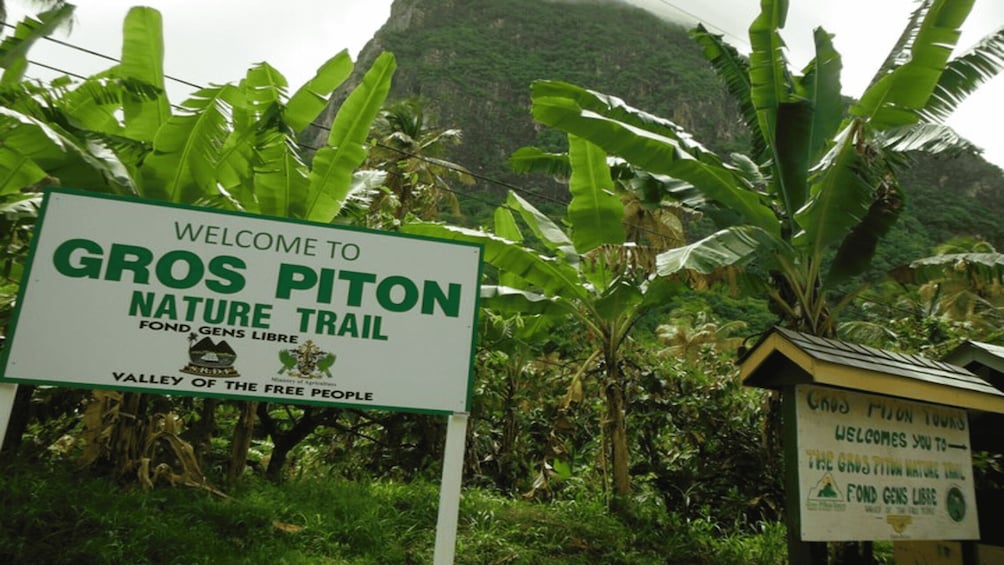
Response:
column 53, row 515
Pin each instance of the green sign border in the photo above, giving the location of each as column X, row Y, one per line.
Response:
column 40, row 224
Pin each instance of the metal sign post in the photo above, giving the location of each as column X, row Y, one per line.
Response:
column 449, row 490
column 7, row 394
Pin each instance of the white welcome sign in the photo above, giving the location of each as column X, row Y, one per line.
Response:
column 128, row 294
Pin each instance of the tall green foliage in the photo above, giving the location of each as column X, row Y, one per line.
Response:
column 228, row 146
column 593, row 276
column 819, row 189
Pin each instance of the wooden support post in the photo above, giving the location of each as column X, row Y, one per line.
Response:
column 807, row 553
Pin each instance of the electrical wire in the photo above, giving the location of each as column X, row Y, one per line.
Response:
column 483, row 178
column 95, row 54
column 708, row 24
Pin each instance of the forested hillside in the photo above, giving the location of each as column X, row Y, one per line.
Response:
column 472, row 62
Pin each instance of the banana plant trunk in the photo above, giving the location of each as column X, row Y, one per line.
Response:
column 615, row 428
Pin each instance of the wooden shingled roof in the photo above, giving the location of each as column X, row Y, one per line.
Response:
column 984, row 359
column 785, row 357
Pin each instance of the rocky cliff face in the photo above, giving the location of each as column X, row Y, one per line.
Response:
column 473, row 61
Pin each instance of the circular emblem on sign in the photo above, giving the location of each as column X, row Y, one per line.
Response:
column 955, row 503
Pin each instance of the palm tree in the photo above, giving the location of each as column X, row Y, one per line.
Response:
column 410, row 150
column 963, row 283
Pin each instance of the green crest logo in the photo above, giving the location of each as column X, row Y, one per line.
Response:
column 306, row 362
column 955, row 503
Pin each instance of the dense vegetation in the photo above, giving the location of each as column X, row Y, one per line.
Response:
column 611, row 385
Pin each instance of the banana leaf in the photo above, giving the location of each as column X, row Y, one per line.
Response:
column 543, row 274
column 595, row 213
column 311, row 98
column 543, row 228
column 93, row 105
column 14, row 48
column 964, row 74
column 143, row 61
column 770, row 83
column 734, row 70
column 331, row 176
column 535, row 160
column 650, row 151
column 897, row 97
column 508, row 300
column 735, row 246
column 281, row 179
column 504, row 225
column 840, row 197
column 187, row 149
column 33, row 150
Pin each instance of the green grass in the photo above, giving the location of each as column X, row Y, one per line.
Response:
column 54, row 515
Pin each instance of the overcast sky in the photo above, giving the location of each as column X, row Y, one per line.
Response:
column 217, row 40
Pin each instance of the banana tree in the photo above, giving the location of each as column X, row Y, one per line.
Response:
column 592, row 275
column 230, row 146
column 818, row 190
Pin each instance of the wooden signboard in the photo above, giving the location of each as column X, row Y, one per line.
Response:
column 874, row 467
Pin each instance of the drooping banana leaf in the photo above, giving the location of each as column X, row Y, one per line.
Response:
column 964, row 74
column 654, row 153
column 548, row 276
column 734, row 70
column 143, row 62
column 926, row 137
column 543, row 228
column 595, row 213
column 14, row 48
column 508, row 300
column 735, row 246
column 17, row 171
column 331, row 176
column 612, row 107
column 986, row 266
column 311, row 98
column 33, row 150
column 187, row 149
